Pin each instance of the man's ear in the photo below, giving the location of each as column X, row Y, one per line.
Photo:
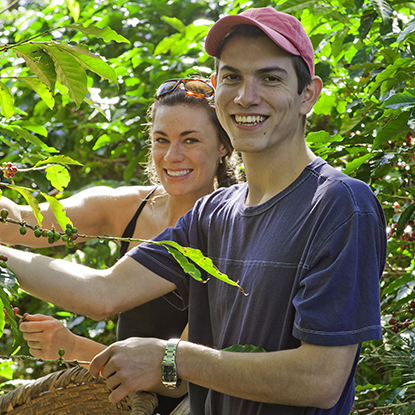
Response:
column 213, row 80
column 311, row 94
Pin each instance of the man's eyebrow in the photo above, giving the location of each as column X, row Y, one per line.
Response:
column 272, row 69
column 228, row 68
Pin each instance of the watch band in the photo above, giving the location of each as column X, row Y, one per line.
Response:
column 168, row 366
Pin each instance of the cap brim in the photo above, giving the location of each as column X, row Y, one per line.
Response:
column 222, row 27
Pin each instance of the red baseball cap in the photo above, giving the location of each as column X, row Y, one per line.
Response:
column 285, row 30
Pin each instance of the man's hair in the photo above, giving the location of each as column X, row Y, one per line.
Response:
column 253, row 32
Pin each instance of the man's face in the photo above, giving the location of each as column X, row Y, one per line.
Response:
column 256, row 96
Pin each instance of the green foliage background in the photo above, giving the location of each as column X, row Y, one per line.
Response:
column 363, row 124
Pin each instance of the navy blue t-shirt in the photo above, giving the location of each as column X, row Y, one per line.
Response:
column 310, row 259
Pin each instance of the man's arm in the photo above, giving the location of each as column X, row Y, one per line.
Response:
column 80, row 289
column 310, row 375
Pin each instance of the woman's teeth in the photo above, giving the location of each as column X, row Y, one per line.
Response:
column 250, row 119
column 178, row 173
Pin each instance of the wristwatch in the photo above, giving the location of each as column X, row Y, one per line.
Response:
column 168, row 366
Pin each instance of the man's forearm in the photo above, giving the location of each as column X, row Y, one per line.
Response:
column 307, row 376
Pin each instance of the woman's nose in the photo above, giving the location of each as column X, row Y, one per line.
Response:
column 174, row 153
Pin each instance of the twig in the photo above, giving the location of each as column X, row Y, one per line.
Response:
column 38, row 359
column 9, row 6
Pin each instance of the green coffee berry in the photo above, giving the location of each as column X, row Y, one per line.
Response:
column 65, row 238
column 38, row 233
column 61, row 352
column 50, row 234
column 23, row 230
column 74, row 230
column 56, row 236
column 45, row 233
column 68, row 231
column 4, row 213
column 70, row 244
column 51, row 239
column 69, row 225
column 3, row 264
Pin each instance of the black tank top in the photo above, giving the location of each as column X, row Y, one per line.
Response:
column 157, row 318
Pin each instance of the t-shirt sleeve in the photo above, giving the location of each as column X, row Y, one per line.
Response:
column 338, row 301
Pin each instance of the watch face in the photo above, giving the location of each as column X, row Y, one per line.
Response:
column 169, row 373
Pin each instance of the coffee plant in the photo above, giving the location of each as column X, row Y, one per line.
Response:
column 76, row 79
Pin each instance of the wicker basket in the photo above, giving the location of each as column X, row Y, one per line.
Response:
column 72, row 391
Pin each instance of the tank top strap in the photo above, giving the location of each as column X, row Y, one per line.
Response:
column 129, row 230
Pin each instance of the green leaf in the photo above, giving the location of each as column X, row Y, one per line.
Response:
column 74, row 8
column 187, row 267
column 58, row 160
column 174, row 22
column 69, row 72
column 58, row 210
column 399, row 100
column 89, row 61
column 245, row 348
column 31, row 201
column 105, row 33
column 94, row 105
column 6, row 370
column 39, row 62
column 4, row 298
column 58, row 176
column 42, row 90
column 32, row 126
column 323, row 137
column 383, row 8
column 6, row 101
column 203, row 262
column 393, row 127
column 404, row 219
column 33, row 139
column 2, row 317
column 407, row 33
column 291, row 6
column 356, row 163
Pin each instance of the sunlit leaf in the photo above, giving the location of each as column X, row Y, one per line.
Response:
column 31, row 138
column 58, row 210
column 203, row 262
column 58, row 176
column 94, row 105
column 31, row 201
column 392, row 128
column 32, row 126
column 39, row 63
column 69, row 72
column 90, row 61
column 356, row 163
column 58, row 160
column 74, row 8
column 174, row 22
column 6, row 101
column 42, row 90
column 105, row 33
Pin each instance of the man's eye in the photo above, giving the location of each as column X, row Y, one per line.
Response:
column 191, row 140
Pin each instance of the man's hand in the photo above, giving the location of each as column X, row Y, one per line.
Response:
column 46, row 336
column 130, row 365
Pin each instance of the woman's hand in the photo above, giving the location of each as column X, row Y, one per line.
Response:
column 46, row 335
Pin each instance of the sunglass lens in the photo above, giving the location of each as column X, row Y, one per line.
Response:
column 199, row 88
column 166, row 88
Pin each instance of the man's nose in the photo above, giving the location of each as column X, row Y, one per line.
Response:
column 248, row 94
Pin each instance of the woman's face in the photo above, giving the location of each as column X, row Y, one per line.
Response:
column 186, row 150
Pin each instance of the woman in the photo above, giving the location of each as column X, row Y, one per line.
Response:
column 191, row 155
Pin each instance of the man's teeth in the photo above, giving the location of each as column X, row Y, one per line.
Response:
column 178, row 173
column 250, row 119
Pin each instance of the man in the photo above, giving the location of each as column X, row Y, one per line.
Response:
column 291, row 236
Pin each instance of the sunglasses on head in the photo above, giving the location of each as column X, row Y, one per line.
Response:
column 193, row 87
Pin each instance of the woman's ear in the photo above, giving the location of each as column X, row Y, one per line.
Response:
column 310, row 95
column 213, row 80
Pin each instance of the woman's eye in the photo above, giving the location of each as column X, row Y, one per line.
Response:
column 160, row 140
column 191, row 140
